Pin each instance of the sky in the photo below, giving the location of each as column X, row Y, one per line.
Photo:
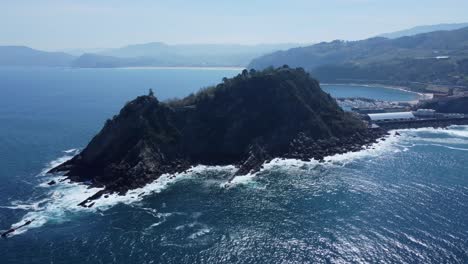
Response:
column 69, row 24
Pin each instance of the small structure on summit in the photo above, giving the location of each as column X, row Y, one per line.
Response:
column 150, row 92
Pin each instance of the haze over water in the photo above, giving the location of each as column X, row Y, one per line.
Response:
column 404, row 201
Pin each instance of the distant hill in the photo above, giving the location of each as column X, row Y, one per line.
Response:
column 438, row 57
column 195, row 54
column 79, row 52
column 423, row 29
column 101, row 61
column 159, row 48
column 24, row 56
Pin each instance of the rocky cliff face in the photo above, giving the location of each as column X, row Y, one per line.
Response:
column 133, row 148
column 245, row 121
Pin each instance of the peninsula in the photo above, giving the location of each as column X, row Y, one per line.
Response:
column 245, row 121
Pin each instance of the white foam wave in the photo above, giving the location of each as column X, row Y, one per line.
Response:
column 444, row 146
column 457, row 133
column 69, row 155
column 385, row 145
column 388, row 145
column 452, row 131
column 64, row 197
column 391, row 144
column 241, row 179
column 19, row 205
column 448, row 141
column 200, row 233
column 70, row 151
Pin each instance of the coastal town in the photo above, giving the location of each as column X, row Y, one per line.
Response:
column 410, row 114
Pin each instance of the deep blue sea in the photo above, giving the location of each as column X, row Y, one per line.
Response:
column 404, row 200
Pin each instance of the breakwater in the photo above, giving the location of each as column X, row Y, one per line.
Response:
column 420, row 123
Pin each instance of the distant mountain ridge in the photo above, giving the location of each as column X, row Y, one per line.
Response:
column 90, row 60
column 24, row 56
column 142, row 55
column 378, row 50
column 437, row 57
column 423, row 29
column 161, row 54
column 158, row 48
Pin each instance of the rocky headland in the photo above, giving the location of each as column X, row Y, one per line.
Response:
column 246, row 121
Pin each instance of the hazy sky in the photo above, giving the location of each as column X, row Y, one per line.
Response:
column 63, row 24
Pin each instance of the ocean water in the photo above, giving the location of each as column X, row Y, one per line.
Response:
column 403, row 200
column 371, row 92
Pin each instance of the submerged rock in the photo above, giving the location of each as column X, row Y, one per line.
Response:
column 51, row 183
column 13, row 229
column 245, row 121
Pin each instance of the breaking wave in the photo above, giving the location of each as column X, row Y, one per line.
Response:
column 64, row 196
column 62, row 199
column 398, row 141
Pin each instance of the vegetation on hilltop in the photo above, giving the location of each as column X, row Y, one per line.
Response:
column 415, row 73
column 271, row 106
column 406, row 60
column 423, row 29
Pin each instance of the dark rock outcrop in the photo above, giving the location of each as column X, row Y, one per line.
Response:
column 245, row 121
column 455, row 104
column 13, row 229
column 51, row 183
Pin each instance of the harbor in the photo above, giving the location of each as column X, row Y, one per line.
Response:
column 407, row 114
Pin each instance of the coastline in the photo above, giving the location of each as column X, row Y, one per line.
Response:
column 303, row 149
column 239, row 68
column 422, row 96
column 214, row 68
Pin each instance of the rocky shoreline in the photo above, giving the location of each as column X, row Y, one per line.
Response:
column 303, row 148
column 306, row 149
column 437, row 123
column 245, row 121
